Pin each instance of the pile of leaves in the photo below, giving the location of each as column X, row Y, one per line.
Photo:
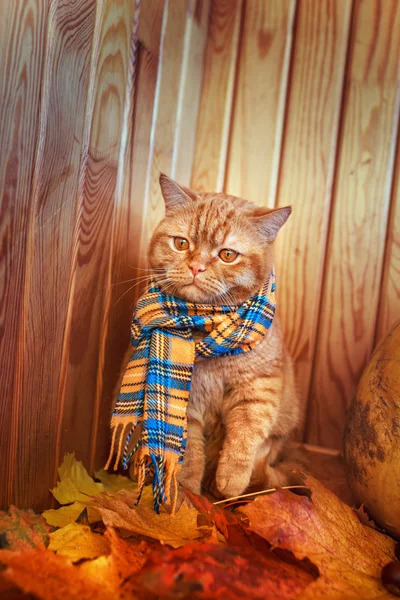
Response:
column 99, row 545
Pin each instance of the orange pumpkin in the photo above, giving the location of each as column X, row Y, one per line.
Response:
column 372, row 435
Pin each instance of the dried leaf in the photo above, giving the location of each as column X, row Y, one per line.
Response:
column 123, row 562
column 64, row 515
column 226, row 522
column 364, row 518
column 22, row 529
column 211, row 571
column 51, row 577
column 77, row 542
column 116, row 482
column 76, row 489
column 75, row 484
column 348, row 554
column 174, row 531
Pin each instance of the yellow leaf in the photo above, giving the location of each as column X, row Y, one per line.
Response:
column 69, row 514
column 75, row 542
column 75, row 484
column 118, row 483
column 114, row 483
column 177, row 530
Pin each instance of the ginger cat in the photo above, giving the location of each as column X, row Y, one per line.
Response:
column 218, row 249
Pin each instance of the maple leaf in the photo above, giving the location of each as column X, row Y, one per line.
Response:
column 75, row 483
column 60, row 517
column 119, row 510
column 225, row 522
column 348, row 554
column 76, row 488
column 22, row 529
column 212, row 571
column 77, row 542
column 49, row 576
column 115, row 482
column 112, row 571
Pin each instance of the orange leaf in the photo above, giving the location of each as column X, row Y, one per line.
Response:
column 51, row 577
column 48, row 576
column 348, row 554
column 118, row 510
column 207, row 571
column 22, row 529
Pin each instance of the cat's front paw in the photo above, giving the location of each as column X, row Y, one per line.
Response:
column 190, row 482
column 232, row 479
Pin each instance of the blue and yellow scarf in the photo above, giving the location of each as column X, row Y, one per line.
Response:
column 149, row 419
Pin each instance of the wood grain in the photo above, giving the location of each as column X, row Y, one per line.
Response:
column 54, row 193
column 127, row 225
column 353, row 266
column 165, row 116
column 22, row 48
column 260, row 98
column 92, row 237
column 389, row 304
column 189, row 90
column 306, row 173
column 217, row 95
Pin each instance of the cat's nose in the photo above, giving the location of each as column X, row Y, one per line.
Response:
column 196, row 268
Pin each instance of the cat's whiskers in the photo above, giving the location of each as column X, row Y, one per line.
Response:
column 139, row 280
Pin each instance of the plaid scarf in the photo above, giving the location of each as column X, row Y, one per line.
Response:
column 149, row 419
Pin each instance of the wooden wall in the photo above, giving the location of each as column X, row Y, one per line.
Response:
column 280, row 101
column 95, row 97
column 300, row 106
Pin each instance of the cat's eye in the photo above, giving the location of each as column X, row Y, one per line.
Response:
column 227, row 255
column 181, row 243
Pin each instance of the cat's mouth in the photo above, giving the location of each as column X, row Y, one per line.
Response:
column 194, row 291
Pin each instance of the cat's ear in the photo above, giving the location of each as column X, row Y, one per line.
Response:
column 175, row 196
column 268, row 223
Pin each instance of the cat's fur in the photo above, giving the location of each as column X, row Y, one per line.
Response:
column 241, row 408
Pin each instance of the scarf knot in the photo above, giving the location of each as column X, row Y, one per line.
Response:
column 149, row 418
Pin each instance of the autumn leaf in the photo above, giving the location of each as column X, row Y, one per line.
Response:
column 177, row 530
column 22, row 529
column 348, row 554
column 76, row 489
column 77, row 542
column 116, row 482
column 75, row 483
column 65, row 515
column 205, row 571
column 112, row 571
column 50, row 577
column 226, row 522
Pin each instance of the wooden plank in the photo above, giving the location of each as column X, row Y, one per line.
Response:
column 165, row 116
column 112, row 61
column 127, row 226
column 55, row 186
column 306, row 173
column 189, row 90
column 150, row 24
column 22, row 48
column 260, row 99
column 217, row 95
column 357, row 233
column 389, row 304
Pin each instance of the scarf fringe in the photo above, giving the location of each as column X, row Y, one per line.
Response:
column 121, row 427
column 164, row 470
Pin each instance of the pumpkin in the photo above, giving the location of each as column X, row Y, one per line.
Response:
column 372, row 435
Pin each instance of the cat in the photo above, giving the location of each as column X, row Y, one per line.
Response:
column 218, row 249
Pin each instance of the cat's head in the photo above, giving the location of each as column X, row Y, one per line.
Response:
column 212, row 248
